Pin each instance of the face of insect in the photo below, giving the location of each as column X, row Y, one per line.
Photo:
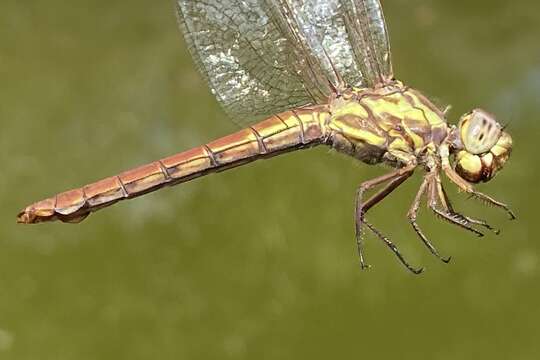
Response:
column 485, row 146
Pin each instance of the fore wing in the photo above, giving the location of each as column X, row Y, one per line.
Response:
column 261, row 57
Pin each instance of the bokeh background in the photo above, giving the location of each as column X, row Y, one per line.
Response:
column 258, row 262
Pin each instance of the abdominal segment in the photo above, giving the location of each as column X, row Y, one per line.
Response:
column 291, row 130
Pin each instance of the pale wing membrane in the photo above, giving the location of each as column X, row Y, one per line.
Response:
column 249, row 64
column 369, row 39
column 323, row 23
column 260, row 57
column 347, row 36
column 303, row 48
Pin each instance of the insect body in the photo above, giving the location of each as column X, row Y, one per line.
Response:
column 320, row 72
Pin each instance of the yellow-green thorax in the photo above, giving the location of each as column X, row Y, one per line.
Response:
column 391, row 123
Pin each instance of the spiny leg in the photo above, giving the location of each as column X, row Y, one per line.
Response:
column 445, row 202
column 394, row 248
column 412, row 215
column 362, row 208
column 467, row 187
column 480, row 222
column 372, row 201
column 387, row 190
column 445, row 214
column 396, row 178
column 491, row 201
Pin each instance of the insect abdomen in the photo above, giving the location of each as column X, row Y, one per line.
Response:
column 280, row 133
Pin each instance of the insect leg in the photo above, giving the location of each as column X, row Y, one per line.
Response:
column 394, row 248
column 412, row 214
column 396, row 178
column 445, row 214
column 467, row 187
column 445, row 202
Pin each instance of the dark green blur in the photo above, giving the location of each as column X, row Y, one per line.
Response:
column 259, row 262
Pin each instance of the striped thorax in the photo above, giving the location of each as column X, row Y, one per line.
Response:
column 393, row 124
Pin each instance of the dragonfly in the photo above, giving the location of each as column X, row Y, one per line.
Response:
column 302, row 73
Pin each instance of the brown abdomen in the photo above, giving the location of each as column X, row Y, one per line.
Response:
column 284, row 132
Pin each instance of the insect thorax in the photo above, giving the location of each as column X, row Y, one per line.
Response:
column 371, row 124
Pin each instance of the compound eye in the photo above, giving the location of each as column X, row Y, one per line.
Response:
column 479, row 131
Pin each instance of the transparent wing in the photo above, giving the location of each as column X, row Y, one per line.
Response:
column 368, row 37
column 260, row 57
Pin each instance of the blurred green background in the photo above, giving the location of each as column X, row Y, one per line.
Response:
column 258, row 262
